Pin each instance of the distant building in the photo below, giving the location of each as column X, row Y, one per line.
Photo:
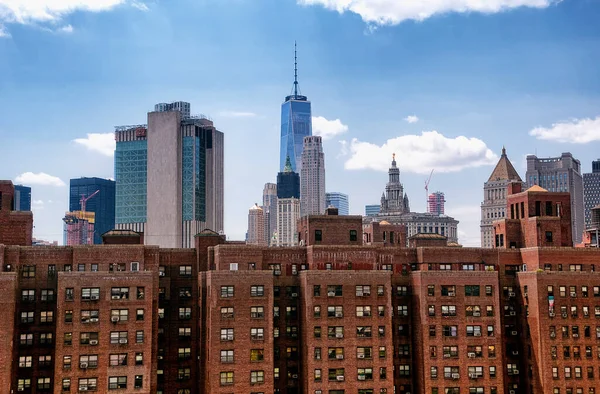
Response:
column 560, row 174
column 435, row 203
column 41, row 242
column 169, row 177
column 372, row 210
column 270, row 211
column 495, row 189
column 79, row 228
column 591, row 191
column 338, row 200
column 102, row 204
column 394, row 200
column 256, row 227
column 288, row 206
column 22, row 200
column 312, row 177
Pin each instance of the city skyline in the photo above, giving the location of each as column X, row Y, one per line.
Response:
column 382, row 93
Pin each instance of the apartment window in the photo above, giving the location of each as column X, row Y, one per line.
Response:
column 227, row 312
column 431, row 290
column 226, row 378
column 335, row 311
column 363, row 290
column 318, row 235
column 381, row 310
column 363, row 332
column 336, row 374
column 291, row 353
column 317, row 332
column 139, row 314
column 512, row 369
column 68, row 338
column 117, row 360
column 88, row 338
column 489, row 310
column 450, row 351
column 185, row 293
column 334, row 291
column 317, row 353
column 46, row 316
column 431, row 310
column 473, row 310
column 257, row 312
column 365, row 373
column 549, row 236
column 117, row 315
column 448, row 291
column 317, row 375
column 185, row 313
column 257, row 334
column 28, row 271
column 492, row 371
column 46, row 338
column 364, row 352
column 138, row 382
column 227, row 356
column 490, row 331
column 363, row 311
column 47, row 295
column 472, row 290
column 404, row 351
column 404, row 370
column 432, row 331
column 66, row 384
column 67, row 360
column 433, row 372
column 380, row 290
column 227, row 334
column 88, row 384
column 227, row 291
column 450, row 331
column 401, row 291
column 335, row 332
column 184, row 373
column 451, row 372
column 382, row 352
column 257, row 291
column 69, row 294
column 317, row 311
column 448, row 310
column 90, row 293
column 185, row 270
column 402, row 310
column 27, row 317
column 491, row 351
column 88, row 361
column 316, row 290
column 139, row 358
column 489, row 290
column 26, row 339
column 43, row 384
column 475, row 372
column 118, row 337
column 473, row 331
column 23, row 384
column 25, row 361
column 257, row 354
column 28, row 295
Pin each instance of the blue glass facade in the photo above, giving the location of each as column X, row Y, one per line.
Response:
column 296, row 123
column 131, row 168
column 372, row 210
column 338, row 200
column 194, row 175
column 102, row 204
column 22, row 200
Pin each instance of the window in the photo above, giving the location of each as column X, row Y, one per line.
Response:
column 363, row 332
column 138, row 382
column 364, row 352
column 448, row 291
column 335, row 332
column 67, row 362
column 185, row 313
column 44, row 361
column 450, row 331
column 317, row 353
column 473, row 310
column 365, row 373
column 317, row 312
column 404, row 370
column 334, row 291
column 28, row 271
column 227, row 312
column 68, row 338
column 227, row 291
column 118, row 337
column 257, row 291
column 69, row 294
column 88, row 361
column 491, row 351
column 25, row 362
column 473, row 331
column 66, row 384
column 117, row 315
column 27, row 317
column 402, row 310
column 316, row 290
column 46, row 317
column 257, row 354
column 139, row 358
column 23, row 384
column 401, row 291
column 117, row 382
column 88, row 338
column 475, row 372
column 404, row 351
column 185, row 270
column 26, row 339
column 43, row 383
column 317, row 332
column 184, row 373
column 139, row 314
column 257, row 334
column 226, row 378
column 257, row 312
column 90, row 293
column 448, row 310
column 432, row 331
column 336, row 374
column 490, row 331
column 363, row 311
column 431, row 290
column 257, row 377
column 380, row 290
column 472, row 290
column 433, row 372
column 318, row 235
column 46, row 338
column 117, row 360
column 28, row 295
column 335, row 311
column 450, row 351
column 381, row 310
column 549, row 236
column 363, row 291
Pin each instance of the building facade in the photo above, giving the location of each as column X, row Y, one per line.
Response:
column 256, row 226
column 22, row 199
column 372, row 210
column 591, row 191
column 338, row 200
column 312, row 177
column 270, row 211
column 394, row 200
column 169, row 177
column 436, row 203
column 495, row 189
column 79, row 228
column 102, row 204
column 16, row 227
column 288, row 206
column 560, row 174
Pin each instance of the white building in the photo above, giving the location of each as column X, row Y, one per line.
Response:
column 288, row 213
column 312, row 177
column 256, row 226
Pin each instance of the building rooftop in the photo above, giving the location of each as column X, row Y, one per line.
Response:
column 504, row 170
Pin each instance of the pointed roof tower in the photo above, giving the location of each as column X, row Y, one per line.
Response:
column 504, row 170
column 288, row 165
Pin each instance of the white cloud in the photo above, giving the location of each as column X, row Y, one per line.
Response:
column 103, row 143
column 411, row 119
column 577, row 131
column 66, row 29
column 327, row 129
column 393, row 12
column 53, row 11
column 237, row 114
column 41, row 178
column 421, row 153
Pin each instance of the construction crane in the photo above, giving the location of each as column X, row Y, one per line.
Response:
column 85, row 199
column 427, row 190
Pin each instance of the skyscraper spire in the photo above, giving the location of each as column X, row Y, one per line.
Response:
column 295, row 70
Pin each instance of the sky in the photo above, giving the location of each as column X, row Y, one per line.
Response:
column 443, row 84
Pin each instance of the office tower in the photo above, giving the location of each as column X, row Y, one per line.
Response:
column 288, row 205
column 182, row 106
column 338, row 200
column 270, row 210
column 435, row 203
column 296, row 123
column 560, row 174
column 372, row 210
column 102, row 204
column 591, row 191
column 312, row 177
column 495, row 189
column 79, row 228
column 169, row 178
column 256, row 226
column 393, row 200
column 22, row 199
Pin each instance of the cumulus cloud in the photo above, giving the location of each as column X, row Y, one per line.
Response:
column 103, row 143
column 576, row 131
column 421, row 153
column 237, row 114
column 41, row 179
column 327, row 129
column 393, row 12
column 411, row 119
column 53, row 11
column 66, row 29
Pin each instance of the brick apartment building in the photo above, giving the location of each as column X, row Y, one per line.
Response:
column 341, row 316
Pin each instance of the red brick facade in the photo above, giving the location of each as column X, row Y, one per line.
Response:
column 16, row 227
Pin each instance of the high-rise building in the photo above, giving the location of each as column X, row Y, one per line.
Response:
column 372, row 210
column 182, row 106
column 256, row 226
column 495, row 189
column 79, row 228
column 435, row 203
column 296, row 123
column 169, row 177
column 102, row 204
column 270, row 211
column 288, row 206
column 22, row 199
column 591, row 191
column 338, row 200
column 312, row 177
column 560, row 174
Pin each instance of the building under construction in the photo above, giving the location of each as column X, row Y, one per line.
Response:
column 79, row 228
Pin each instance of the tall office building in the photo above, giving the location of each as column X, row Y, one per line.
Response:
column 182, row 106
column 495, row 190
column 560, row 174
column 436, row 203
column 312, row 177
column 296, row 123
column 338, row 200
column 270, row 211
column 102, row 204
column 169, row 177
column 372, row 210
column 22, row 199
column 591, row 191
column 288, row 206
column 256, row 226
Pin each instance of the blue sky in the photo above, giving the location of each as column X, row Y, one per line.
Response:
column 520, row 73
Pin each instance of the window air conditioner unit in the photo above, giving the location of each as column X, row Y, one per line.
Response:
column 93, row 342
column 294, row 295
column 295, row 376
column 471, row 355
column 514, row 333
column 114, row 319
column 511, row 294
column 575, row 335
column 115, row 297
column 361, row 356
column 161, row 273
column 123, row 341
column 564, row 315
column 339, row 314
column 83, row 365
column 447, row 355
column 455, row 376
column 340, row 356
column 513, row 313
column 331, row 294
column 476, row 314
column 511, row 392
column 573, row 294
column 93, row 320
column 277, row 272
column 83, row 388
column 551, row 314
column 361, row 377
column 340, row 378
column 339, row 335
column 552, row 335
column 515, row 371
column 451, row 294
column 94, row 297
column 477, row 334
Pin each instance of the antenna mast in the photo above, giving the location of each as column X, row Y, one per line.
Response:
column 295, row 70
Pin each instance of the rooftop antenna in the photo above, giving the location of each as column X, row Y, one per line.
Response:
column 295, row 70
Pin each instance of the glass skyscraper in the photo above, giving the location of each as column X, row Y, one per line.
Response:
column 102, row 204
column 131, row 166
column 338, row 200
column 22, row 199
column 296, row 123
